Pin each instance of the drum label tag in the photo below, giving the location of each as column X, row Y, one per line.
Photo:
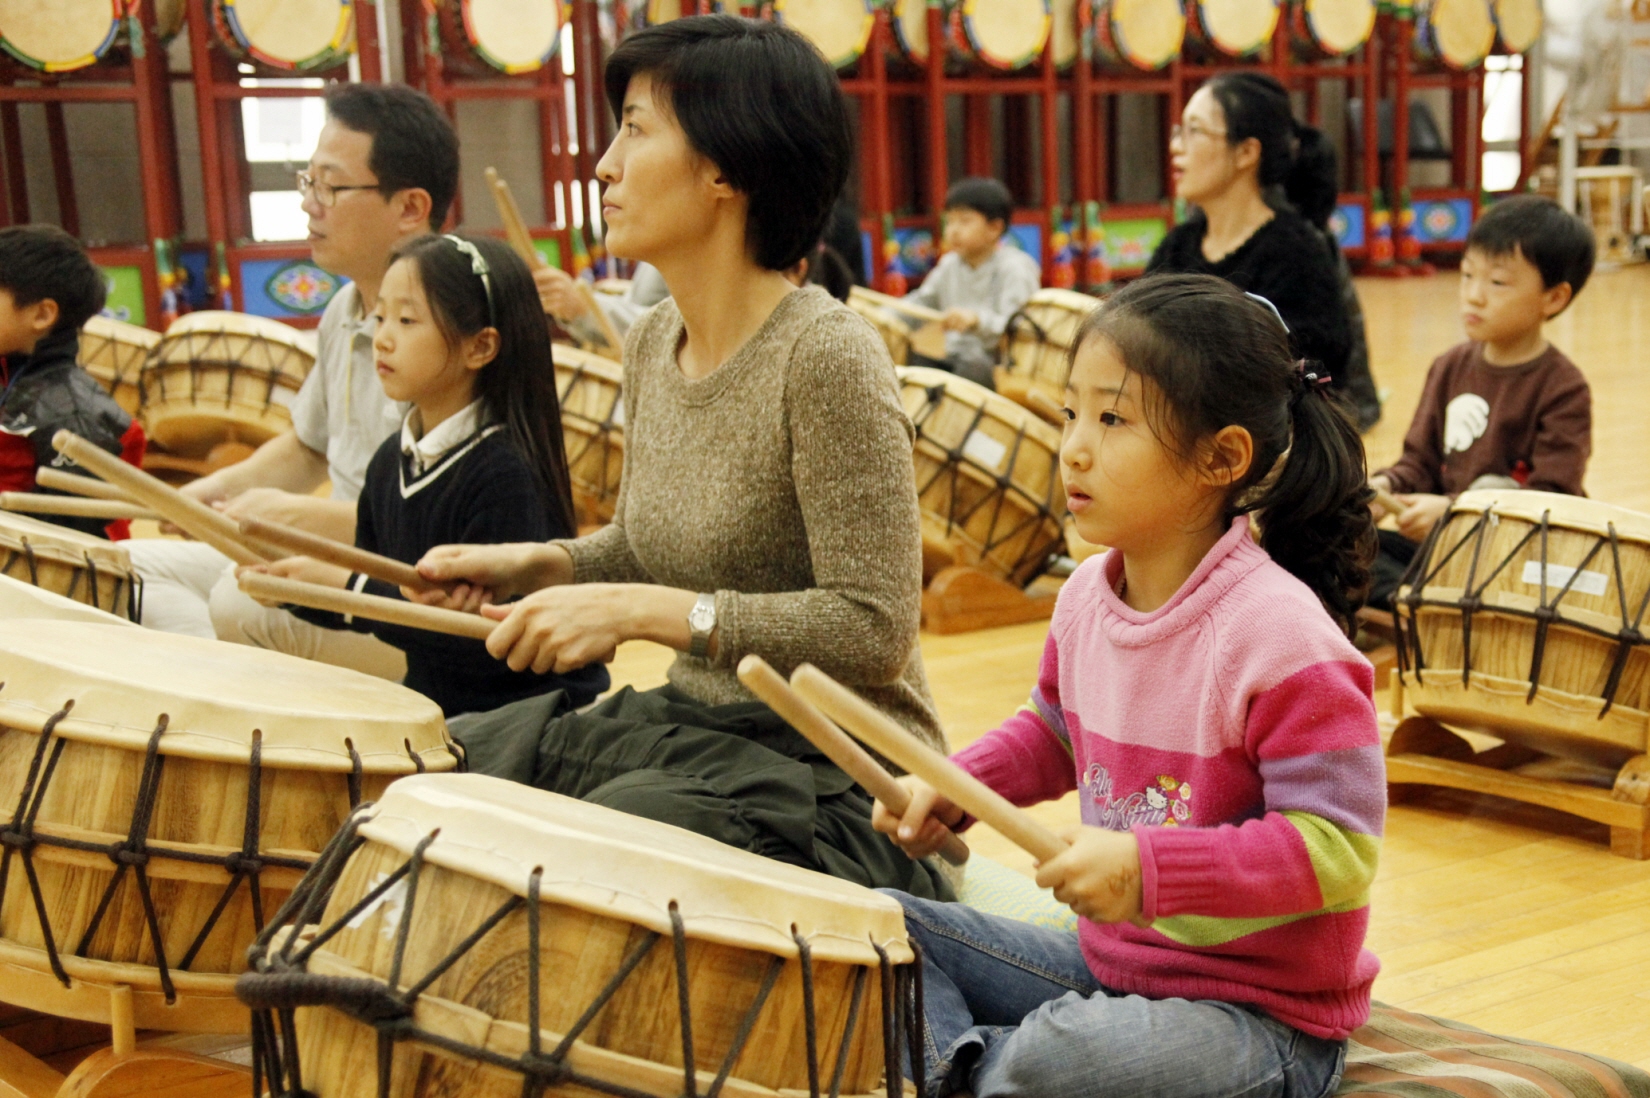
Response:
column 1588, row 583
column 391, row 900
column 984, row 449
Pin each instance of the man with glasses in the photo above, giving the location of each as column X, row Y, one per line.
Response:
column 384, row 171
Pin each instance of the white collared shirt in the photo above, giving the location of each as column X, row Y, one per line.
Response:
column 424, row 450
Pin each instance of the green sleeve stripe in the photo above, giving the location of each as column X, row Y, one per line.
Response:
column 1208, row 930
column 1344, row 861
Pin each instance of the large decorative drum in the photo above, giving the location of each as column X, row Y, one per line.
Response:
column 1040, row 338
column 161, row 795
column 590, row 389
column 988, row 478
column 1139, row 34
column 1333, row 28
column 512, row 36
column 59, row 35
column 1457, row 33
column 840, row 28
column 66, row 562
column 1518, row 24
column 909, row 19
column 1001, row 34
column 219, row 377
column 1521, row 616
column 287, row 34
column 24, row 600
column 468, row 935
column 895, row 335
column 113, row 352
column 1234, row 28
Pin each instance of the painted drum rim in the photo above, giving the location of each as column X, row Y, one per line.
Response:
column 1112, row 42
column 1208, row 35
column 862, row 37
column 231, row 33
column 118, row 11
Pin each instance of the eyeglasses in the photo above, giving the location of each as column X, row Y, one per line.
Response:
column 1192, row 130
column 478, row 267
column 326, row 194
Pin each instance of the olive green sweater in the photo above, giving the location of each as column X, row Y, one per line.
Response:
column 783, row 483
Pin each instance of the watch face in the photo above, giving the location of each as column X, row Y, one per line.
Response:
column 703, row 617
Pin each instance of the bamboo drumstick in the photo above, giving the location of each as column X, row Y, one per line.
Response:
column 39, row 504
column 58, row 480
column 767, row 684
column 372, row 607
column 899, row 305
column 336, row 552
column 953, row 782
column 190, row 515
column 1387, row 502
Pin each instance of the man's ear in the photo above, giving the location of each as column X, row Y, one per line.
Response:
column 412, row 211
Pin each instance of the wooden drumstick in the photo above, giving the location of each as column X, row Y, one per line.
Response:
column 856, row 762
column 953, row 782
column 372, row 607
column 336, row 552
column 190, row 515
column 1387, row 502
column 59, row 481
column 70, row 506
column 515, row 230
column 927, row 340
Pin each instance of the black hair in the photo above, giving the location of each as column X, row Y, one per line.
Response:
column 1559, row 243
column 518, row 387
column 985, row 196
column 413, row 142
column 828, row 270
column 1215, row 357
column 38, row 262
column 759, row 101
column 1293, row 155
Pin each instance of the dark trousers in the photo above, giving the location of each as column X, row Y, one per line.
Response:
column 1391, row 562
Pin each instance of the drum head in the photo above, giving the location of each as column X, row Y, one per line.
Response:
column 1148, row 34
column 1063, row 32
column 661, row 11
column 289, row 34
column 60, row 543
column 1238, row 27
column 911, row 29
column 57, row 35
column 1340, row 26
column 1006, row 34
column 1519, row 23
column 513, row 35
column 1461, row 31
column 840, row 28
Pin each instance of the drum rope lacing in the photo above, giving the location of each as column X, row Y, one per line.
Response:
column 602, row 435
column 134, row 603
column 279, row 983
column 1626, row 638
column 1031, row 564
column 18, row 836
column 201, row 354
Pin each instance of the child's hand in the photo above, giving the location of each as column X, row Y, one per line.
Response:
column 959, row 320
column 1098, row 876
column 474, row 575
column 306, row 569
column 927, row 821
column 1420, row 514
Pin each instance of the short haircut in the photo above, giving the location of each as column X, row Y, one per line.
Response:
column 760, row 102
column 413, row 143
column 1559, row 244
column 987, row 197
column 40, row 262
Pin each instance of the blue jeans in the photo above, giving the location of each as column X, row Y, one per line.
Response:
column 1013, row 1010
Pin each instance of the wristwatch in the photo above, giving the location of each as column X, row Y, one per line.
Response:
column 701, row 624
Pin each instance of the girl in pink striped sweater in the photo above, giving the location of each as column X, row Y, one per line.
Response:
column 1199, row 690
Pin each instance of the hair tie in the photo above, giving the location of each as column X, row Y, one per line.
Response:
column 1309, row 377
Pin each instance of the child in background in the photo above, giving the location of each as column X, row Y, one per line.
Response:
column 48, row 289
column 1198, row 688
column 1506, row 409
column 478, row 460
column 980, row 282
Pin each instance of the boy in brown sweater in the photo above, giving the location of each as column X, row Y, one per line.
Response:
column 1506, row 409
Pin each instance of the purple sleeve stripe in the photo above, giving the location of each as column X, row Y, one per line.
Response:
column 1052, row 715
column 1347, row 788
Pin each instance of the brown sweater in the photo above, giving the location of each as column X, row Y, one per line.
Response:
column 1532, row 422
column 783, row 483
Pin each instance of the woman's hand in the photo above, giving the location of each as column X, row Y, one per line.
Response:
column 565, row 627
column 1098, row 875
column 306, row 569
column 472, row 576
column 928, row 820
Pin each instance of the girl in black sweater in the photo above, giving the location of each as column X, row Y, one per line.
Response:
column 479, row 458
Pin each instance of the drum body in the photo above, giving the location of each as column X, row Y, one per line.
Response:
column 646, row 930
column 1518, row 24
column 840, row 28
column 68, row 563
column 510, row 36
column 1000, row 34
column 218, row 376
column 1332, row 28
column 1456, row 33
column 297, row 35
column 20, row 599
column 988, row 478
column 1519, row 619
column 1139, row 34
column 591, row 391
column 113, row 352
column 1234, row 28
column 167, row 793
column 60, row 35
column 1040, row 338
column 894, row 333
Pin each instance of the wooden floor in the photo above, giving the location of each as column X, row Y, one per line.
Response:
column 1505, row 917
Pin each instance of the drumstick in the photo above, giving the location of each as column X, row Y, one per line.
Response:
column 1387, row 502
column 70, row 506
column 372, row 607
column 336, row 552
column 515, row 230
column 953, row 782
column 767, row 684
column 58, row 480
column 190, row 515
column 898, row 304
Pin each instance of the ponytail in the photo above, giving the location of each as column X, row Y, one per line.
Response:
column 1295, row 158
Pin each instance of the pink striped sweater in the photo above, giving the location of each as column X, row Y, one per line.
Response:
column 1233, row 731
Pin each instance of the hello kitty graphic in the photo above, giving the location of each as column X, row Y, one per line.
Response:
column 1166, row 802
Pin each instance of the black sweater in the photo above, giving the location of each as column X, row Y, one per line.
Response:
column 480, row 493
column 1288, row 262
